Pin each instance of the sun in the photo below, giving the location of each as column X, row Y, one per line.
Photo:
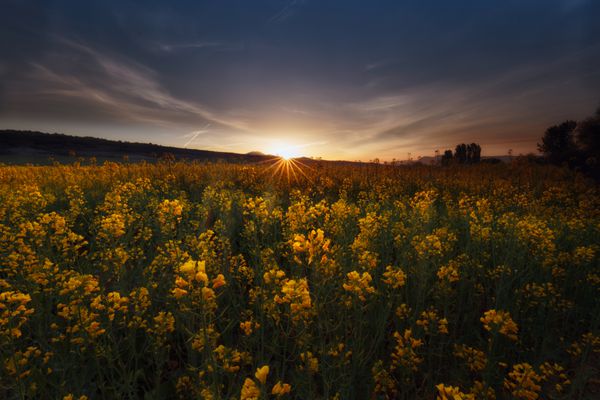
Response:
column 286, row 155
column 284, row 150
column 287, row 162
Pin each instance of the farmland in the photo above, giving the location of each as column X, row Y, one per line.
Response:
column 218, row 281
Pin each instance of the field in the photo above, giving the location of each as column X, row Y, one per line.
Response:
column 219, row 281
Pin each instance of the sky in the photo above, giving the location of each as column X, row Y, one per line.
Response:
column 352, row 80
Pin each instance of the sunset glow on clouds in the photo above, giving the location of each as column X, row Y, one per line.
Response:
column 339, row 80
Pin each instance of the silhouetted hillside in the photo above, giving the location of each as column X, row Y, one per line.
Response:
column 39, row 147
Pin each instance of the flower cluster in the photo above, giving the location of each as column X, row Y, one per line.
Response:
column 501, row 322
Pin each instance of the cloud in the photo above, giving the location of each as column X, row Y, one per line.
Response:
column 208, row 45
column 373, row 80
column 418, row 118
column 195, row 134
column 290, row 8
column 509, row 107
column 119, row 86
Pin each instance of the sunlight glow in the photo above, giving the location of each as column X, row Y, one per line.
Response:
column 285, row 150
column 287, row 164
column 284, row 166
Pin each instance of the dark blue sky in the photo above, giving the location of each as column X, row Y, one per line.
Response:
column 337, row 79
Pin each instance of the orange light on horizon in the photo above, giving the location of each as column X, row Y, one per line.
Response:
column 284, row 150
column 291, row 169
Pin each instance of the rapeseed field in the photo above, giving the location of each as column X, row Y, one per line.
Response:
column 223, row 281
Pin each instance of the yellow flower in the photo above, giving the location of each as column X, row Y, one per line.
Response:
column 112, row 226
column 297, row 294
column 208, row 294
column 280, row 389
column 179, row 293
column 311, row 362
column 194, row 271
column 13, row 312
column 476, row 359
column 451, row 393
column 169, row 213
column 164, row 323
column 394, row 277
column 523, row 382
column 201, row 277
column 449, row 272
column 500, row 321
column 261, row 374
column 359, row 284
column 249, row 390
column 273, row 275
column 188, row 268
column 404, row 353
column 219, row 281
column 429, row 319
column 248, row 326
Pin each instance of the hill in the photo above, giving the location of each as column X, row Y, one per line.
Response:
column 18, row 147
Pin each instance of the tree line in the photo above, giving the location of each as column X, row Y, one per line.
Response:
column 463, row 154
column 576, row 144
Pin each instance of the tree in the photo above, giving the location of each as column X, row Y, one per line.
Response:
column 474, row 153
column 588, row 137
column 467, row 153
column 447, row 157
column 460, row 153
column 463, row 154
column 558, row 143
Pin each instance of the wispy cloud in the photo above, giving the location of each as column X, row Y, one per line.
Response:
column 294, row 110
column 375, row 65
column 208, row 45
column 122, row 86
column 288, row 10
column 195, row 134
column 510, row 107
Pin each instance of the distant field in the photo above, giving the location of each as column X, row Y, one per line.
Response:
column 42, row 158
column 187, row 280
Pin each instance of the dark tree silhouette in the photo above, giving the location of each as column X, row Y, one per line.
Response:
column 463, row 154
column 460, row 153
column 588, row 142
column 588, row 138
column 467, row 153
column 558, row 143
column 475, row 153
column 447, row 157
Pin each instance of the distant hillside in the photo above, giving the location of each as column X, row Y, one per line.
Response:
column 18, row 147
column 432, row 160
column 30, row 147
